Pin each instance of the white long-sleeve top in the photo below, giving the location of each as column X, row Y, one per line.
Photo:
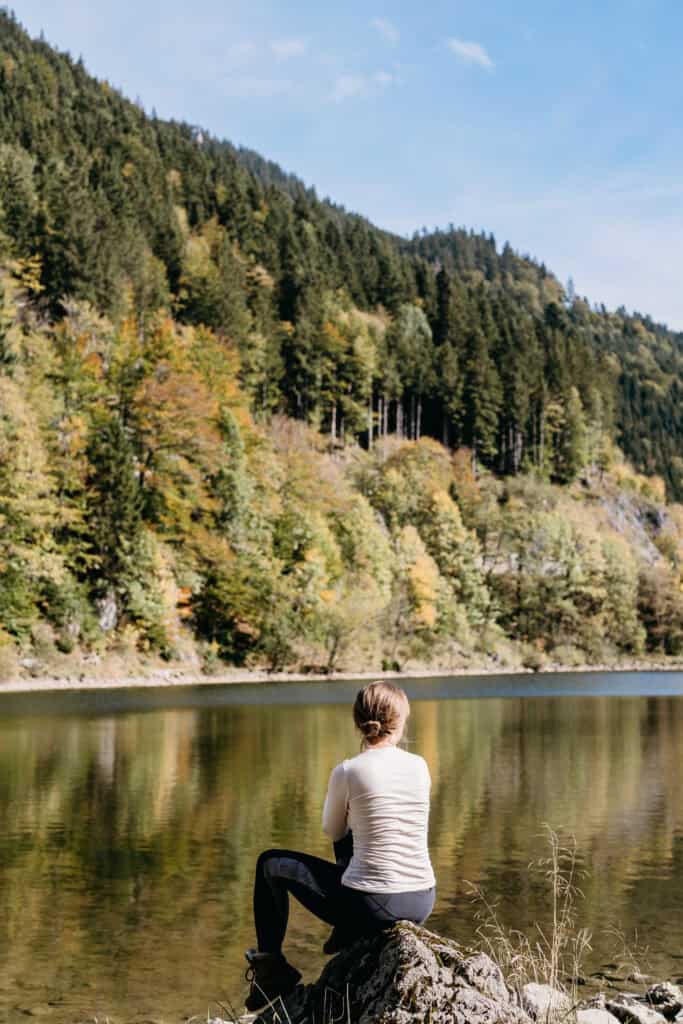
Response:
column 382, row 795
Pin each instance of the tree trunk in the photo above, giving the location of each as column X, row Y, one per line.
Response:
column 370, row 422
column 418, row 430
column 333, row 423
column 519, row 448
column 332, row 654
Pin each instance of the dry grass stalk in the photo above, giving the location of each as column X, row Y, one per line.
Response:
column 551, row 957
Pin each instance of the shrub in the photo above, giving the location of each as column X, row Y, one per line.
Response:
column 9, row 658
column 534, row 657
column 569, row 655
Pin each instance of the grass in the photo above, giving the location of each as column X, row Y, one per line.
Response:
column 630, row 957
column 336, row 1009
column 551, row 957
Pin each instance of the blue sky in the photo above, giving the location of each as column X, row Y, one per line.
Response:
column 555, row 125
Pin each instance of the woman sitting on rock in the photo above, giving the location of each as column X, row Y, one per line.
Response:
column 376, row 813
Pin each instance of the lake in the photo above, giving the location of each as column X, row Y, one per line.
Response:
column 130, row 822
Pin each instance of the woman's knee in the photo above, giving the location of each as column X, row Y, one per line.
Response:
column 277, row 865
column 265, row 854
column 266, row 857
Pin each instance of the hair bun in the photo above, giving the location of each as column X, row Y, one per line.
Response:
column 380, row 709
column 371, row 729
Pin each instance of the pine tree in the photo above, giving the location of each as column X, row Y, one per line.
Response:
column 481, row 397
column 570, row 442
column 115, row 504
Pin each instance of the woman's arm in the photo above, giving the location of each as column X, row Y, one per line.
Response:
column 335, row 811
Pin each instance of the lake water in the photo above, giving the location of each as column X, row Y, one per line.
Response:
column 130, row 822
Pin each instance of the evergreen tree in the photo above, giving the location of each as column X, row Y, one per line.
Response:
column 115, row 504
column 482, row 396
column 570, row 443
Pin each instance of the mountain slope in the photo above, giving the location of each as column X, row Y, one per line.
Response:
column 469, row 344
column 238, row 423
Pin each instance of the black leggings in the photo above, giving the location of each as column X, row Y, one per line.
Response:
column 317, row 884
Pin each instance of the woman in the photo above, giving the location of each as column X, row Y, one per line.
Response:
column 377, row 811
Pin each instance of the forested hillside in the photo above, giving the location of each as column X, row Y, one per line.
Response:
column 238, row 421
column 483, row 348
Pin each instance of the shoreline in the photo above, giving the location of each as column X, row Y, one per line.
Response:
column 171, row 677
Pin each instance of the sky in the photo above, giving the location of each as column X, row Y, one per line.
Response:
column 554, row 125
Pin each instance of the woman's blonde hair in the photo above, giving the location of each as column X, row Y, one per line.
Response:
column 379, row 710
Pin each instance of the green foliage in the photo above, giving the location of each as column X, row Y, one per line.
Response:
column 213, row 282
column 28, row 512
column 9, row 658
column 660, row 607
column 114, row 500
column 457, row 553
column 232, row 486
column 18, row 202
column 227, row 610
column 570, row 451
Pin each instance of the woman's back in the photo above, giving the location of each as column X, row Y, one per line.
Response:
column 380, row 799
column 383, row 793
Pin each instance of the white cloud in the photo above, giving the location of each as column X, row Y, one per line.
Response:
column 285, row 49
column 387, row 30
column 471, row 53
column 347, row 87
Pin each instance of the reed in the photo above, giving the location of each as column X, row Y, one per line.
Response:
column 551, row 956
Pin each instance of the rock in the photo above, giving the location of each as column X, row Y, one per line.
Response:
column 543, row 1002
column 595, row 1015
column 666, row 998
column 33, row 666
column 108, row 611
column 596, row 1002
column 630, row 1010
column 406, row 975
column 480, row 971
column 638, row 978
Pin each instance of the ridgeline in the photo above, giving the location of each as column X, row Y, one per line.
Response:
column 240, row 423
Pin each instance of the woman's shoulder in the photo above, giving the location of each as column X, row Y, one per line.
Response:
column 415, row 760
column 366, row 758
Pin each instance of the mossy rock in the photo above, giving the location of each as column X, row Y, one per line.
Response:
column 405, row 975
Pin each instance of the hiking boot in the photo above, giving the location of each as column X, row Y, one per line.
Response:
column 270, row 976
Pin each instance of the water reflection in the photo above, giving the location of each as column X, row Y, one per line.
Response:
column 127, row 840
